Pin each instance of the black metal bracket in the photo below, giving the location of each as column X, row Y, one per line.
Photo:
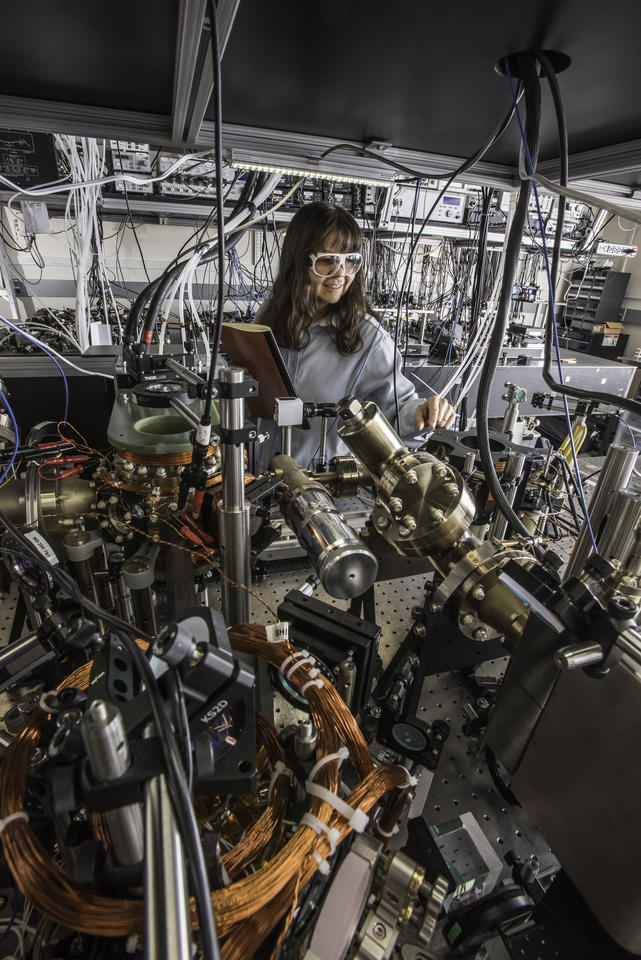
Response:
column 244, row 434
column 237, row 391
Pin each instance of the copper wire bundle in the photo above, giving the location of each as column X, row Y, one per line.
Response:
column 161, row 459
column 248, row 908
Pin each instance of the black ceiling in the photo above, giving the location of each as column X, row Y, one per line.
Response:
column 117, row 54
column 416, row 73
column 421, row 74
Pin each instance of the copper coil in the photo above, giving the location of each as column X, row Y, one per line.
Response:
column 161, row 459
column 250, row 907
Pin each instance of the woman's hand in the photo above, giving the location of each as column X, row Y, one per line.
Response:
column 435, row 412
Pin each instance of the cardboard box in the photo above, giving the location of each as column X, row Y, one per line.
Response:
column 609, row 329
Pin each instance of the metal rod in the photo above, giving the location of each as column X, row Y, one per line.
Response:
column 233, row 512
column 167, row 919
column 323, row 443
column 105, row 740
column 185, row 412
column 615, row 474
column 513, row 468
column 187, row 375
column 286, row 441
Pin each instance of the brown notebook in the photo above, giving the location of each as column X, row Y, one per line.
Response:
column 253, row 346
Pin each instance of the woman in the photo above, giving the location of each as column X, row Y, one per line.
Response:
column 331, row 339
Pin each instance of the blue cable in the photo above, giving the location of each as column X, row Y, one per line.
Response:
column 552, row 310
column 16, row 442
column 40, row 346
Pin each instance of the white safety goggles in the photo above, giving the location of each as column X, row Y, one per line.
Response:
column 328, row 264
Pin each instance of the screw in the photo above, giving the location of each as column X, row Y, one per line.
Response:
column 420, row 630
column 411, row 477
column 417, row 612
column 468, row 619
column 435, row 608
column 440, row 470
column 409, row 522
column 480, row 634
column 379, row 930
column 404, row 532
column 252, row 434
column 396, row 505
column 451, row 489
column 478, row 593
column 113, row 501
column 382, row 523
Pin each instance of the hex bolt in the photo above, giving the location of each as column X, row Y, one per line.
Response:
column 404, row 531
column 420, row 630
column 435, row 608
column 480, row 634
column 451, row 489
column 478, row 593
column 395, row 505
column 417, row 612
column 408, row 521
column 411, row 477
column 439, row 470
column 468, row 619
column 382, row 523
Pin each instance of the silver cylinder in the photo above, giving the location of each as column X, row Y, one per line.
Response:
column 615, row 474
column 513, row 469
column 346, row 681
column 510, row 418
column 342, row 561
column 138, row 575
column 167, row 919
column 233, row 512
column 619, row 533
column 106, row 744
column 286, row 441
column 305, row 740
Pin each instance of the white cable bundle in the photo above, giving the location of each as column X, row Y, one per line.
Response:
column 86, row 161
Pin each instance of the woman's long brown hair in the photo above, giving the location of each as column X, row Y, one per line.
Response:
column 292, row 306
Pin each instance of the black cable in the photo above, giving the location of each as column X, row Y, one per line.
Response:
column 131, row 220
column 218, row 153
column 512, row 252
column 181, row 800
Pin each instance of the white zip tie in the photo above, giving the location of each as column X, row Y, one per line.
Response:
column 356, row 818
column 387, row 833
column 318, row 826
column 280, row 770
column 296, row 655
column 18, row 815
column 42, row 703
column 299, row 663
column 311, row 683
column 323, row 865
column 411, row 780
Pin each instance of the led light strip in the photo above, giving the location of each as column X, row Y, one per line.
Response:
column 311, row 174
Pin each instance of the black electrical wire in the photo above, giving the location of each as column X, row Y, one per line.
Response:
column 528, row 71
column 218, row 153
column 634, row 406
column 177, row 786
column 463, row 168
column 477, row 286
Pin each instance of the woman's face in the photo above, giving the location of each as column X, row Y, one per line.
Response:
column 329, row 290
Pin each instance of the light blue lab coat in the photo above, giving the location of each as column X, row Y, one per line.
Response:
column 321, row 374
